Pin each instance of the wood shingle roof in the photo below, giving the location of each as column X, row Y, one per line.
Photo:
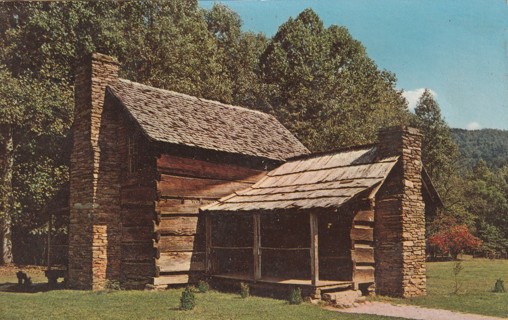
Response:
column 171, row 117
column 321, row 181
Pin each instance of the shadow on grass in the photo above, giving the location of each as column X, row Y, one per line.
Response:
column 34, row 288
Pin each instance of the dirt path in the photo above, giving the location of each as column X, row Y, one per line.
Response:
column 413, row 312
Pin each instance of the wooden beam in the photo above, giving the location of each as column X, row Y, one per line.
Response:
column 208, row 241
column 314, row 257
column 256, row 225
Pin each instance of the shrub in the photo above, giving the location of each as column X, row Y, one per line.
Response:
column 295, row 297
column 454, row 240
column 203, row 286
column 187, row 300
column 244, row 290
column 112, row 285
column 499, row 286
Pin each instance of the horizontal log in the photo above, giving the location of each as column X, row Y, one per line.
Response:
column 363, row 255
column 180, row 206
column 363, row 274
column 364, row 216
column 138, row 216
column 144, row 177
column 171, row 279
column 181, row 187
column 364, row 234
column 181, row 261
column 138, row 270
column 138, row 251
column 204, row 169
column 137, row 233
column 179, row 243
column 137, row 195
column 181, row 226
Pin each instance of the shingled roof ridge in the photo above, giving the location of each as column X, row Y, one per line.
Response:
column 183, row 95
column 331, row 152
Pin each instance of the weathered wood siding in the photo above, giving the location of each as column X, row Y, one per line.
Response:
column 362, row 244
column 183, row 185
column 138, row 202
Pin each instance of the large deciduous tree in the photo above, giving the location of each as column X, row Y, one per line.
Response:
column 322, row 85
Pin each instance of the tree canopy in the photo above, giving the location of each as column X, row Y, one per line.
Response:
column 322, row 85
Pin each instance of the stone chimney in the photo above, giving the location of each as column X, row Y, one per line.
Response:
column 88, row 230
column 400, row 217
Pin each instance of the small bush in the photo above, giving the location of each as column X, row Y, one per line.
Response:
column 295, row 297
column 244, row 290
column 187, row 300
column 203, row 286
column 112, row 285
column 499, row 286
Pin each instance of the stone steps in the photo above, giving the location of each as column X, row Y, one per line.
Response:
column 344, row 299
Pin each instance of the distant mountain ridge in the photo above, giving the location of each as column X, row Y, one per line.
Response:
column 491, row 145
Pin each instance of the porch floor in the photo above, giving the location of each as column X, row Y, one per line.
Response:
column 322, row 284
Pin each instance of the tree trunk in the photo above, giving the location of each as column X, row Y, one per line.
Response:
column 6, row 192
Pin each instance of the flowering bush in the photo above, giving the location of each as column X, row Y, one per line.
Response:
column 455, row 240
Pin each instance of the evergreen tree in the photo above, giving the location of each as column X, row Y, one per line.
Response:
column 439, row 152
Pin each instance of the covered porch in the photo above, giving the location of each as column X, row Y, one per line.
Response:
column 277, row 250
column 308, row 223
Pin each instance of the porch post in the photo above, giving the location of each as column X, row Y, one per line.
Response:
column 314, row 258
column 256, row 225
column 208, row 241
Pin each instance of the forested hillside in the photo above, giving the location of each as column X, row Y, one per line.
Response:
column 490, row 145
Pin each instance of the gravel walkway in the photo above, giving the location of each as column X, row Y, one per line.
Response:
column 413, row 312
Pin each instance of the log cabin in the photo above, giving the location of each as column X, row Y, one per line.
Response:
column 166, row 189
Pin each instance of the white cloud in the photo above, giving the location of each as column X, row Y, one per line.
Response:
column 473, row 126
column 412, row 96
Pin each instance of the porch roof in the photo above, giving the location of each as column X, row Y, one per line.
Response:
column 316, row 181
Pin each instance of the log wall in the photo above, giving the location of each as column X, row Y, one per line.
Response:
column 362, row 246
column 183, row 185
column 138, row 197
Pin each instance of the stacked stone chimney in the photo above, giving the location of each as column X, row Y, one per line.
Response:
column 400, row 217
column 94, row 227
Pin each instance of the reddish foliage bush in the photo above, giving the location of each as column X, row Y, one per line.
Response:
column 455, row 240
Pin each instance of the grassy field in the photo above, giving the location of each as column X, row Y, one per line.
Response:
column 67, row 304
column 477, row 280
column 475, row 295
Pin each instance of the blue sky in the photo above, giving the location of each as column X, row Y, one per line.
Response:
column 456, row 48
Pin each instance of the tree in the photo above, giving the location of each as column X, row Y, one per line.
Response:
column 486, row 194
column 168, row 46
column 439, row 152
column 324, row 88
column 440, row 158
column 240, row 56
column 454, row 240
column 31, row 134
column 42, row 44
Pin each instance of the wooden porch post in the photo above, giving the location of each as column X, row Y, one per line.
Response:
column 256, row 225
column 314, row 257
column 208, row 241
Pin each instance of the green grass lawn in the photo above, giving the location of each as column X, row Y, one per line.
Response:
column 68, row 304
column 476, row 281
